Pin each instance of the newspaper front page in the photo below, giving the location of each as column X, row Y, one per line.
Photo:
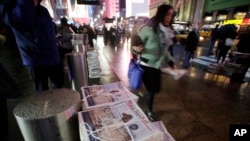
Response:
column 94, row 68
column 167, row 136
column 103, row 95
column 124, row 122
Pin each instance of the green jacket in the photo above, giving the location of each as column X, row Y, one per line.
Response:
column 153, row 52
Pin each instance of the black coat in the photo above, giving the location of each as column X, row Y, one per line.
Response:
column 192, row 41
column 244, row 43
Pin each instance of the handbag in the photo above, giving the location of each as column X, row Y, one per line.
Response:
column 135, row 73
column 229, row 42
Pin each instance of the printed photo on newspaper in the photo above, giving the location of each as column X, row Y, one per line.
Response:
column 124, row 121
column 167, row 136
column 108, row 94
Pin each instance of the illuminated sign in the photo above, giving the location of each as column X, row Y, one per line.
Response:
column 80, row 11
column 237, row 21
column 246, row 21
column 221, row 17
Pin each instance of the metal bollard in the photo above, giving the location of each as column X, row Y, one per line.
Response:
column 49, row 116
column 79, row 48
column 77, row 42
column 77, row 70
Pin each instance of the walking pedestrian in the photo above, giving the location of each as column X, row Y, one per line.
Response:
column 64, row 39
column 243, row 46
column 35, row 36
column 223, row 48
column 156, row 37
column 213, row 40
column 191, row 45
column 105, row 34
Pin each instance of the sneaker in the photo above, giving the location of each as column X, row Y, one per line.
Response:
column 150, row 115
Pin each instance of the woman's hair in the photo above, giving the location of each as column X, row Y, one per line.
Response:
column 159, row 16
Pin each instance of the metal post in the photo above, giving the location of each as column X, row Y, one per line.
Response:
column 77, row 70
column 49, row 116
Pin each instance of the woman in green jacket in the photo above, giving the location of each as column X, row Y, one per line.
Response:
column 156, row 37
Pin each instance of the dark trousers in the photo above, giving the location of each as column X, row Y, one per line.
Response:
column 63, row 51
column 188, row 56
column 152, row 81
column 222, row 53
column 171, row 50
column 211, row 46
column 4, row 124
column 42, row 74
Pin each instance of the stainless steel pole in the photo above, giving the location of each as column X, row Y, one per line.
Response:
column 49, row 116
column 77, row 70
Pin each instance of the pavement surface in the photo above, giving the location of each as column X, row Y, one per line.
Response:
column 199, row 106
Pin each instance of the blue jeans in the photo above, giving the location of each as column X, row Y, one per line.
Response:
column 211, row 46
column 188, row 56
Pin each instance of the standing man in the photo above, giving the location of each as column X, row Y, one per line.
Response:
column 36, row 40
column 191, row 45
column 65, row 35
column 213, row 40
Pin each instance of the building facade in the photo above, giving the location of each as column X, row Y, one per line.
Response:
column 186, row 10
column 226, row 11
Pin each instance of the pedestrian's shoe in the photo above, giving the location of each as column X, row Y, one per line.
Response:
column 150, row 115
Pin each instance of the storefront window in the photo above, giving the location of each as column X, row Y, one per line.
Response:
column 221, row 17
column 240, row 15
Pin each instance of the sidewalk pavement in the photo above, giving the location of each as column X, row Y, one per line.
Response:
column 196, row 107
column 193, row 108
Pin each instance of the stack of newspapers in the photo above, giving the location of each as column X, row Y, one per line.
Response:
column 94, row 68
column 159, row 125
column 124, row 122
column 110, row 113
column 102, row 95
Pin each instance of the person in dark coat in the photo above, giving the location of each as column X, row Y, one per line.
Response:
column 64, row 40
column 213, row 40
column 244, row 47
column 223, row 48
column 105, row 34
column 35, row 36
column 113, row 36
column 191, row 45
column 87, row 30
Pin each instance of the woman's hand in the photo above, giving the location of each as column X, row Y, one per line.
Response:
column 138, row 48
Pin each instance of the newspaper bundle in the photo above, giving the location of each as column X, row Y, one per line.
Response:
column 159, row 125
column 124, row 122
column 102, row 95
column 93, row 64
